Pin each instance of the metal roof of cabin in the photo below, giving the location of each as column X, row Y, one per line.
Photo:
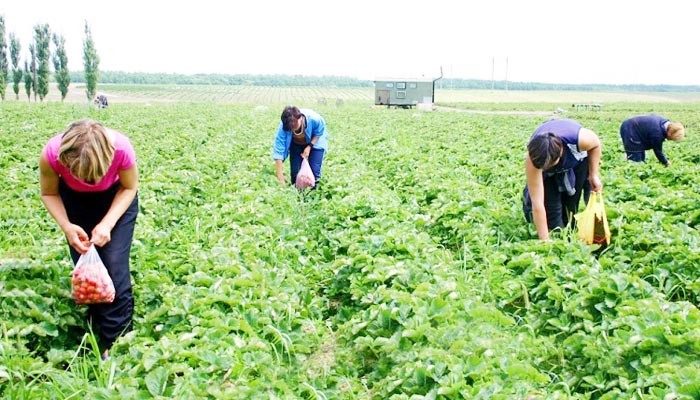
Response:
column 403, row 80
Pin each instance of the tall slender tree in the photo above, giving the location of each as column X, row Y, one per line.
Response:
column 60, row 64
column 15, row 50
column 91, row 62
column 42, row 40
column 32, row 67
column 28, row 79
column 3, row 58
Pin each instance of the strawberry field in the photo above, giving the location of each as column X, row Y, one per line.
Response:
column 409, row 274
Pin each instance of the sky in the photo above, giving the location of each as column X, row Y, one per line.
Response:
column 553, row 41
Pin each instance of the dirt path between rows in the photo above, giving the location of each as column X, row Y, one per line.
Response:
column 510, row 112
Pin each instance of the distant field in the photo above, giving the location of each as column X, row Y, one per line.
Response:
column 493, row 96
column 212, row 93
column 333, row 95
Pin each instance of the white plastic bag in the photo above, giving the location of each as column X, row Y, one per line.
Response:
column 305, row 177
column 91, row 281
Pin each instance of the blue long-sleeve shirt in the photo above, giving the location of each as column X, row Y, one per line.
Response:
column 315, row 126
column 645, row 132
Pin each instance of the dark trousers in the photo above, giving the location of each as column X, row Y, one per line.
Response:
column 315, row 161
column 631, row 142
column 559, row 206
column 638, row 156
column 87, row 210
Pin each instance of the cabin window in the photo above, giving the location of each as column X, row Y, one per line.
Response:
column 401, row 85
column 412, row 85
column 400, row 94
column 390, row 84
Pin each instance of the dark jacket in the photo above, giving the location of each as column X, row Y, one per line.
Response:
column 645, row 132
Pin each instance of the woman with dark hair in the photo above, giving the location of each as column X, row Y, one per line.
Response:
column 301, row 134
column 563, row 159
column 89, row 180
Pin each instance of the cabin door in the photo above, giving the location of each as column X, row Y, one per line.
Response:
column 382, row 97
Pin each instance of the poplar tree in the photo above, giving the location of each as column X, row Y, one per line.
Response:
column 28, row 83
column 60, row 64
column 32, row 68
column 42, row 39
column 3, row 58
column 15, row 50
column 91, row 62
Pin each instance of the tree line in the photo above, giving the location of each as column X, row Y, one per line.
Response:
column 508, row 85
column 36, row 74
column 119, row 77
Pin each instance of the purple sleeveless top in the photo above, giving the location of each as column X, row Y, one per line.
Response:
column 567, row 130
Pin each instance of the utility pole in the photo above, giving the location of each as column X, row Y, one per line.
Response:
column 506, row 73
column 493, row 71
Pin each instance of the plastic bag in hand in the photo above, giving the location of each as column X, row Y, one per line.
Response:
column 592, row 223
column 305, row 177
column 91, row 281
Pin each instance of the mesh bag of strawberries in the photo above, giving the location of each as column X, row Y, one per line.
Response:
column 91, row 282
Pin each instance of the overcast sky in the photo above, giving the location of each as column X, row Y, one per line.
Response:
column 558, row 41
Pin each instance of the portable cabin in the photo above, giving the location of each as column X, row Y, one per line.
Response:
column 404, row 93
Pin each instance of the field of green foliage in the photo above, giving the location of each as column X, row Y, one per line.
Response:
column 410, row 274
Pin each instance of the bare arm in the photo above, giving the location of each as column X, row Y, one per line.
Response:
column 589, row 141
column 535, row 186
column 280, row 172
column 129, row 180
column 48, row 182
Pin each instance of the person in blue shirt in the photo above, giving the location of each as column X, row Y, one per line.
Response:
column 648, row 132
column 301, row 134
column 563, row 160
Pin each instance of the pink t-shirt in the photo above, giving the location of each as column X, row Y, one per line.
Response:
column 124, row 158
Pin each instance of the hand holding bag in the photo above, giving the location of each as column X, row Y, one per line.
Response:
column 91, row 281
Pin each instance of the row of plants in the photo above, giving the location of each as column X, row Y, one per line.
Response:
column 410, row 273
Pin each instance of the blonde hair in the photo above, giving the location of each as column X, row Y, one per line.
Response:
column 675, row 131
column 86, row 150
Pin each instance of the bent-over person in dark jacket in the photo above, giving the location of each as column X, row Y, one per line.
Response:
column 648, row 132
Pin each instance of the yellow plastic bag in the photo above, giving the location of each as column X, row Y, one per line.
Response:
column 592, row 223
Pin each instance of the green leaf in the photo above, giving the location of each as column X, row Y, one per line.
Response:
column 150, row 359
column 156, row 381
column 4, row 375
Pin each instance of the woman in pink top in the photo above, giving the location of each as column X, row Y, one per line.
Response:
column 89, row 182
